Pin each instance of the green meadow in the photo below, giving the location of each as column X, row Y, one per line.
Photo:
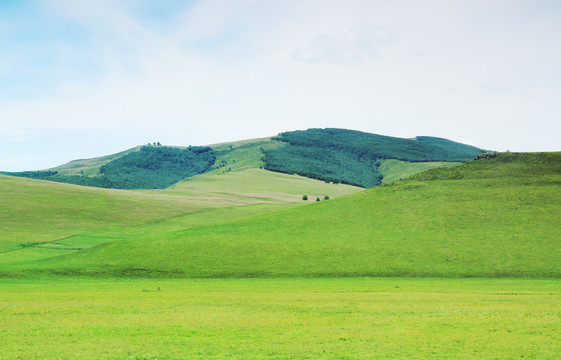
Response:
column 358, row 318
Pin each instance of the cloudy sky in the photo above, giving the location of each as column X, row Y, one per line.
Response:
column 81, row 79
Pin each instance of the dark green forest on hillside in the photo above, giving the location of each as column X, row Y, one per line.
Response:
column 351, row 157
column 153, row 167
column 324, row 164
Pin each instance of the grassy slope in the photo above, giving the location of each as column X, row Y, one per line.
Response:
column 90, row 167
column 43, row 219
column 242, row 155
column 261, row 183
column 36, row 211
column 393, row 170
column 492, row 217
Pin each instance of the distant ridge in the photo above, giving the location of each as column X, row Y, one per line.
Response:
column 332, row 155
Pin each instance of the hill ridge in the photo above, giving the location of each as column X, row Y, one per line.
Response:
column 332, row 155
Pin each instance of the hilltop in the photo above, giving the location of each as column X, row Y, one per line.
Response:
column 331, row 155
column 354, row 157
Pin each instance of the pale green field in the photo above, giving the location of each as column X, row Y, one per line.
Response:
column 354, row 318
column 393, row 170
column 261, row 184
column 242, row 155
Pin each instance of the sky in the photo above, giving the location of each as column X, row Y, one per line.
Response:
column 81, row 79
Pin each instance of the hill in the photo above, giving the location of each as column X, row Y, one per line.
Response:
column 492, row 217
column 332, row 155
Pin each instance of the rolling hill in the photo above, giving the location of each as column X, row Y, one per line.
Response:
column 491, row 217
column 45, row 219
column 331, row 155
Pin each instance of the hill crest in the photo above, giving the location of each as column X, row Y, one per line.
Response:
column 332, row 155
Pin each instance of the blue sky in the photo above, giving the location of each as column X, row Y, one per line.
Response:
column 81, row 79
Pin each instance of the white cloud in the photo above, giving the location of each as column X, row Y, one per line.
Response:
column 354, row 47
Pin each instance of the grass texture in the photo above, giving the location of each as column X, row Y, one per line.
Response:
column 42, row 219
column 281, row 319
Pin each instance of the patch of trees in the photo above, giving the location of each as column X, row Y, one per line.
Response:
column 351, row 157
column 486, row 155
column 453, row 151
column 324, row 164
column 31, row 174
column 157, row 167
column 68, row 179
column 150, row 168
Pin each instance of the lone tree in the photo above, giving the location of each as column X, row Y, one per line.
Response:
column 305, row 197
column 317, row 199
column 326, row 197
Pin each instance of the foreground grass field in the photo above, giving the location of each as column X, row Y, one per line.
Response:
column 354, row 318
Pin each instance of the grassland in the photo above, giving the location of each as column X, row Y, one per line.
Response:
column 45, row 219
column 490, row 218
column 298, row 282
column 281, row 319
